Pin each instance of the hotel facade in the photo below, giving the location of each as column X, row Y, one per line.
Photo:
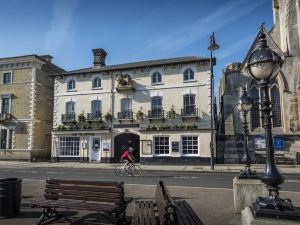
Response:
column 158, row 107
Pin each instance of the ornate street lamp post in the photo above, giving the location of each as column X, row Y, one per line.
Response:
column 263, row 65
column 212, row 47
column 244, row 105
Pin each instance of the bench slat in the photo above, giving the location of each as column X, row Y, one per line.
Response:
column 135, row 218
column 95, row 199
column 81, row 205
column 83, row 193
column 144, row 213
column 181, row 215
column 192, row 213
column 85, row 188
column 141, row 213
column 80, row 182
column 187, row 214
column 147, row 213
column 152, row 213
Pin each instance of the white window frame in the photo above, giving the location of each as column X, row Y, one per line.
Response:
column 11, row 77
column 1, row 103
column 189, row 75
column 92, row 105
column 74, row 104
column 59, row 147
column 154, row 145
column 100, row 87
column 74, row 88
column 156, row 73
column 124, row 103
column 190, row 95
column 9, row 136
column 156, row 110
column 181, row 145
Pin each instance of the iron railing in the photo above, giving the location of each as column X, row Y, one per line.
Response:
column 96, row 116
column 126, row 115
column 4, row 116
column 156, row 114
column 71, row 117
column 189, row 112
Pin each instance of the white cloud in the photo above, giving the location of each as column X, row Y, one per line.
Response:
column 185, row 35
column 60, row 24
column 235, row 48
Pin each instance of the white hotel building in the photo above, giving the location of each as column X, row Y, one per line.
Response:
column 159, row 107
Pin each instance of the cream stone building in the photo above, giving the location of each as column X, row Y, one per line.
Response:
column 284, row 38
column 159, row 107
column 26, row 95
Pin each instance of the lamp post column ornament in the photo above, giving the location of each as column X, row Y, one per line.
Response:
column 263, row 65
column 212, row 47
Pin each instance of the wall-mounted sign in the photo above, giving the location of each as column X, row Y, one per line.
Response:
column 146, row 147
column 259, row 142
column 129, row 125
column 175, row 146
column 106, row 146
column 279, row 142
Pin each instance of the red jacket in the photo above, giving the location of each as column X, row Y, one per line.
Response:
column 126, row 155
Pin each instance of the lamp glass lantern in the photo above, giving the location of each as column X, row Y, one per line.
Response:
column 264, row 63
column 245, row 102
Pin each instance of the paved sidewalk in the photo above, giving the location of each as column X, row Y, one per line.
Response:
column 219, row 168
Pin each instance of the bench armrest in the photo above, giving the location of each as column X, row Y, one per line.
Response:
column 128, row 200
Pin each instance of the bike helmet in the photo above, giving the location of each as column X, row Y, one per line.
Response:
column 130, row 149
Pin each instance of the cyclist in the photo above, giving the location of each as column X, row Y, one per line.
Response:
column 127, row 157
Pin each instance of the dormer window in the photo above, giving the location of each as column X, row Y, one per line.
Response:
column 97, row 82
column 188, row 75
column 156, row 78
column 71, row 84
column 7, row 78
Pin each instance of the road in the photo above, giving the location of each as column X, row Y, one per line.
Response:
column 188, row 179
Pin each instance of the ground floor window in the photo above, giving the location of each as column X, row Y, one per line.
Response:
column 161, row 145
column 6, row 138
column 189, row 145
column 69, row 146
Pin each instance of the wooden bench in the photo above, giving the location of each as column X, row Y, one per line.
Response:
column 164, row 211
column 99, row 196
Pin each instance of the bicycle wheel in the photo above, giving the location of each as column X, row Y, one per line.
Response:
column 135, row 170
column 119, row 171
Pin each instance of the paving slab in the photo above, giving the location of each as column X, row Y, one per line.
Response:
column 219, row 168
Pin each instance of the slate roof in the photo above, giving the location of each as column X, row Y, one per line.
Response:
column 134, row 65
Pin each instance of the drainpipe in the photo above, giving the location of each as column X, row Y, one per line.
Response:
column 112, row 107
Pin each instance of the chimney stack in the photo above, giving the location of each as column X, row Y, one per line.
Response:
column 99, row 57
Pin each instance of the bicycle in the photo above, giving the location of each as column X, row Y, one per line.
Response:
column 132, row 169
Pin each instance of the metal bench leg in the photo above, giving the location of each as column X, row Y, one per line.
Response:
column 124, row 220
column 43, row 216
column 118, row 218
column 48, row 213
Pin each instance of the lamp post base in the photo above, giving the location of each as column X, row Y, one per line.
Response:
column 247, row 173
column 275, row 207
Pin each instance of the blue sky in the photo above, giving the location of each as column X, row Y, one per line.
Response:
column 130, row 30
